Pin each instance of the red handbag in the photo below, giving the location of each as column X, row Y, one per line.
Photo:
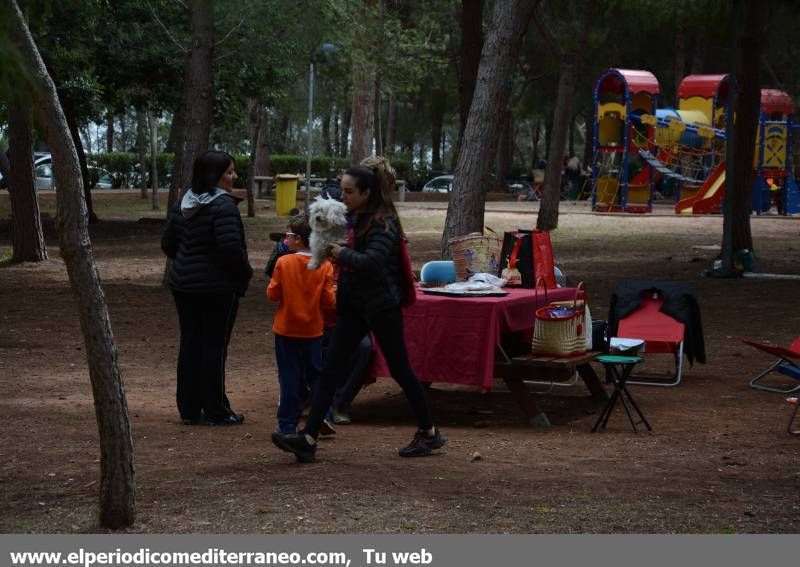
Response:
column 408, row 283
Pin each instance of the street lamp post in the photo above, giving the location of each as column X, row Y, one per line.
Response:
column 324, row 51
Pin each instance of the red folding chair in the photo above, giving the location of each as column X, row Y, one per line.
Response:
column 661, row 335
column 787, row 364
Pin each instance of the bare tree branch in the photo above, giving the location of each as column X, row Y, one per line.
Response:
column 233, row 29
column 166, row 30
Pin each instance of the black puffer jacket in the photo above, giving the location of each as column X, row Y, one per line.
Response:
column 207, row 247
column 370, row 278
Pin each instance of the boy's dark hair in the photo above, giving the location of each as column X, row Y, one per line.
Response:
column 299, row 225
column 208, row 168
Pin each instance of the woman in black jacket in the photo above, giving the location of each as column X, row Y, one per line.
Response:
column 208, row 274
column 369, row 295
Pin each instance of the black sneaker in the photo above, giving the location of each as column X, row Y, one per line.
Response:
column 423, row 444
column 327, row 428
column 232, row 419
column 295, row 443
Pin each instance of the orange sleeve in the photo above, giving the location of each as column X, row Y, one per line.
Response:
column 328, row 297
column 274, row 289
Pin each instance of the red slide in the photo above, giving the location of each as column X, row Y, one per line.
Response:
column 708, row 198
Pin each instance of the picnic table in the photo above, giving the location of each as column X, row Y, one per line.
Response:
column 458, row 340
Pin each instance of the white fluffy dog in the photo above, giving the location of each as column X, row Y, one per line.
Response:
column 327, row 218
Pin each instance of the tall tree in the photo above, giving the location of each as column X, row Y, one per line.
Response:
column 117, row 484
column 27, row 240
column 363, row 114
column 140, row 147
column 737, row 206
column 471, row 21
column 547, row 218
column 465, row 213
column 198, row 96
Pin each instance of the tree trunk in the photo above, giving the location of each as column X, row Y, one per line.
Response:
column 123, row 142
column 679, row 51
column 587, row 139
column 492, row 92
column 263, row 150
column 537, row 133
column 391, row 125
column 571, row 151
column 548, row 209
column 117, row 471
column 327, row 146
column 377, row 120
column 438, row 101
column 470, row 58
column 503, row 157
column 140, row 143
column 175, row 130
column 362, row 114
column 27, row 238
column 151, row 124
column 739, row 174
column 84, row 169
column 363, row 106
column 337, row 141
column 254, row 116
column 109, row 130
column 344, row 143
column 198, row 96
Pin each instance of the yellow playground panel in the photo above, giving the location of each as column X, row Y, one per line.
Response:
column 606, row 189
column 612, row 118
column 774, row 146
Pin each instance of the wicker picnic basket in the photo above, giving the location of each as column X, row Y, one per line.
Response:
column 559, row 330
column 475, row 253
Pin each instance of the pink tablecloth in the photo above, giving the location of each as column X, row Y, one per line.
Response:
column 453, row 339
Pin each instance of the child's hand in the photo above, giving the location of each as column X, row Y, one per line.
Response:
column 333, row 252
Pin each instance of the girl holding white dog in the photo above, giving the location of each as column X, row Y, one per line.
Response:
column 369, row 295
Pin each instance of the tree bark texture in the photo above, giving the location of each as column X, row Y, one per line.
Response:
column 363, row 115
column 84, row 168
column 263, row 150
column 175, row 129
column 117, row 485
column 535, row 136
column 345, row 140
column 336, row 138
column 747, row 109
column 109, row 131
column 198, row 95
column 151, row 124
column 503, row 157
column 492, row 92
column 470, row 58
column 254, row 114
column 26, row 237
column 378, row 125
column 438, row 102
column 391, row 125
column 140, row 145
column 548, row 209
column 364, row 75
column 327, row 147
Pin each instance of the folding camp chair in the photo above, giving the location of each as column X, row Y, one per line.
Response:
column 661, row 335
column 787, row 364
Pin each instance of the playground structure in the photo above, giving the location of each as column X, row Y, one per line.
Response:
column 638, row 147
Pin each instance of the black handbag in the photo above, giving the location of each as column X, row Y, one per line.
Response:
column 519, row 244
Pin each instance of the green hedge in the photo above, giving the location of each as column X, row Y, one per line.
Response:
column 124, row 167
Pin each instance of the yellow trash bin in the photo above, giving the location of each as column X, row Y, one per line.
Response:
column 285, row 193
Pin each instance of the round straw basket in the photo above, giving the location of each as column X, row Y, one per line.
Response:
column 475, row 253
column 559, row 331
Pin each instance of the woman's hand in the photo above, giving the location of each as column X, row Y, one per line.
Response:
column 333, row 252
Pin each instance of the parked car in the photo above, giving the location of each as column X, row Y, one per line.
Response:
column 441, row 184
column 43, row 171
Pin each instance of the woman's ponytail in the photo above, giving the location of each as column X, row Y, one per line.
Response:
column 387, row 178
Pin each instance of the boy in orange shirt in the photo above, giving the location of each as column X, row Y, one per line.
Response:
column 302, row 295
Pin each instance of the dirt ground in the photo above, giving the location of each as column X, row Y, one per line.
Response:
column 719, row 459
